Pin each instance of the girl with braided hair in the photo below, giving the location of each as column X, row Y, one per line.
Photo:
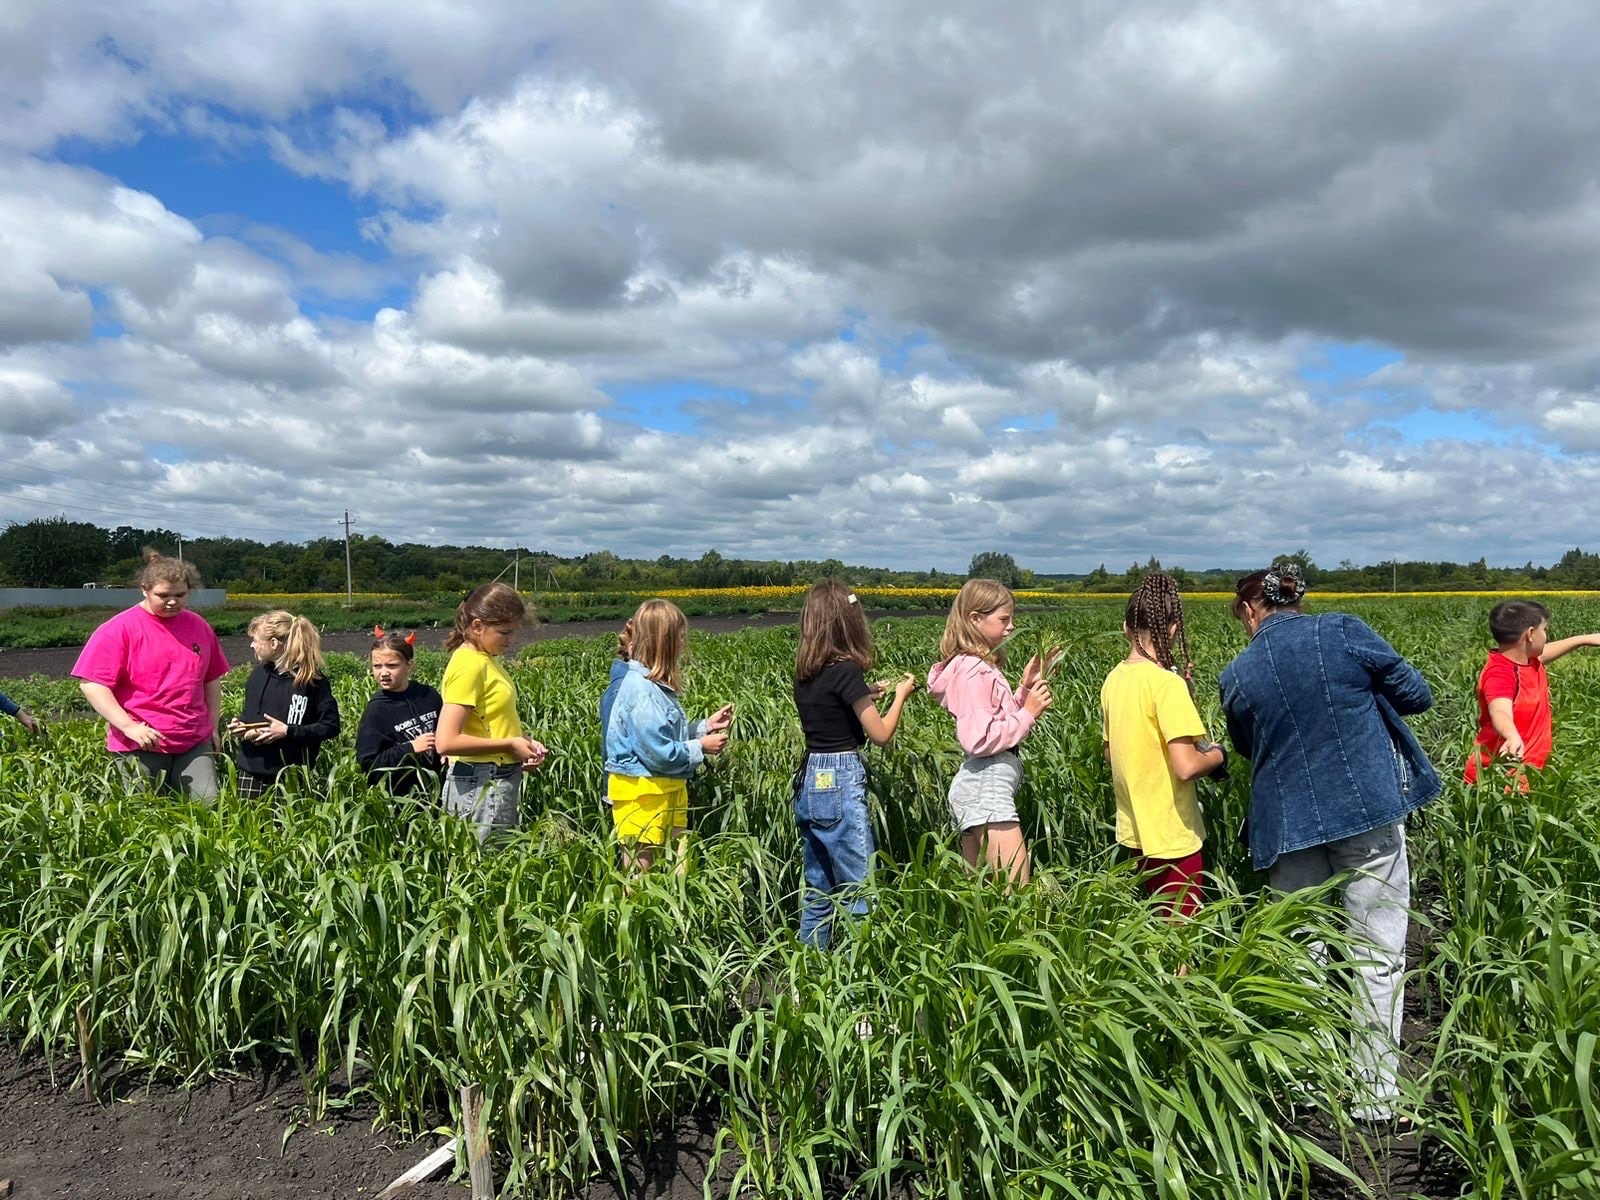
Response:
column 1155, row 741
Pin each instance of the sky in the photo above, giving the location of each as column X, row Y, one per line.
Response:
column 892, row 283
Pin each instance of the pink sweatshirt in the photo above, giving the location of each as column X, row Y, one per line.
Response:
column 989, row 716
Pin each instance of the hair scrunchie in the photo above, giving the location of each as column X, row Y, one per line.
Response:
column 1284, row 585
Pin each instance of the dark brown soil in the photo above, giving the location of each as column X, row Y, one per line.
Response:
column 223, row 1140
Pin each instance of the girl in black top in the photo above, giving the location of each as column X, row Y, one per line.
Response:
column 837, row 716
column 395, row 741
column 289, row 709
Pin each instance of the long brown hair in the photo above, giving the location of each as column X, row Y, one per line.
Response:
column 300, row 645
column 660, row 633
column 1154, row 608
column 494, row 604
column 159, row 568
column 832, row 629
column 977, row 598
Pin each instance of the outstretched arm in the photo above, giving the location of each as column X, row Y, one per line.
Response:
column 1554, row 650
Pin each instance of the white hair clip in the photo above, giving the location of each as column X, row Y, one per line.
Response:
column 853, row 599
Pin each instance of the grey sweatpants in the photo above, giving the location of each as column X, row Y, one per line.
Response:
column 1376, row 900
column 193, row 771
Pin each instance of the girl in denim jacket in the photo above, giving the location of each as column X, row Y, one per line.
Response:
column 838, row 713
column 650, row 747
column 991, row 721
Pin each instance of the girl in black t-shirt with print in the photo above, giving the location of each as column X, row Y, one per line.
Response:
column 837, row 716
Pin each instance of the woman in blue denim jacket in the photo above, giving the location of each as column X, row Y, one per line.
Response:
column 1315, row 703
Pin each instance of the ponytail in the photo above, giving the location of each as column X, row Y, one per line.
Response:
column 493, row 604
column 299, row 644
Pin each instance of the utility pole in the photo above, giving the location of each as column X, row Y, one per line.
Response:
column 516, row 572
column 1394, row 575
column 180, row 546
column 349, row 585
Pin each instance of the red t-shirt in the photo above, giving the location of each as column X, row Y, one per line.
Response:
column 1527, row 686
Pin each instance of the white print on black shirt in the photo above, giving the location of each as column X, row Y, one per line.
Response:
column 297, row 710
column 415, row 726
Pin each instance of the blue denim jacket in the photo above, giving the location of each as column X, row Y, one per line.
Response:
column 608, row 700
column 1315, row 703
column 647, row 733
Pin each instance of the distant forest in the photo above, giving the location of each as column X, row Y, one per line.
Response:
column 58, row 552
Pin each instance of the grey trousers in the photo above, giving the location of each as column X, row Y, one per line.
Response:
column 193, row 771
column 1376, row 900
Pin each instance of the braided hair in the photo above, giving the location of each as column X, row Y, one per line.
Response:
column 1154, row 608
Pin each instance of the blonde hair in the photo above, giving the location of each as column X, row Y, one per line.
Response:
column 977, row 598
column 832, row 629
column 158, row 568
column 493, row 604
column 660, row 632
column 300, row 652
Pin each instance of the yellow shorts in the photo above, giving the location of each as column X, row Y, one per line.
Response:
column 648, row 808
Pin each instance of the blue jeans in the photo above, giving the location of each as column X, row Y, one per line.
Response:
column 830, row 807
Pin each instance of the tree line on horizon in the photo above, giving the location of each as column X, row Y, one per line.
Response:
column 59, row 552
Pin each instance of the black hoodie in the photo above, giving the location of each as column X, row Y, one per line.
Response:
column 392, row 721
column 310, row 712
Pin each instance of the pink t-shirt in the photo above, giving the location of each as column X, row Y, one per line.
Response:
column 157, row 668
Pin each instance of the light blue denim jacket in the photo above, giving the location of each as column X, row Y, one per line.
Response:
column 1315, row 703
column 647, row 733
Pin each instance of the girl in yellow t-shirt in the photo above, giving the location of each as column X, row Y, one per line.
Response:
column 479, row 730
column 1156, row 743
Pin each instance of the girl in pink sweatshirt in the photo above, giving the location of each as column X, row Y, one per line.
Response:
column 991, row 720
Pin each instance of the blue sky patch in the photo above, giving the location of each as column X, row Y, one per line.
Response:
column 1339, row 363
column 198, row 179
column 661, row 405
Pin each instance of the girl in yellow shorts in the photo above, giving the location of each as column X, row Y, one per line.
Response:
column 650, row 747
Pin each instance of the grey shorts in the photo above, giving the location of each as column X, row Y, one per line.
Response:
column 984, row 791
column 485, row 794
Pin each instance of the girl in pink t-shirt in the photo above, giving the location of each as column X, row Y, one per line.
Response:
column 155, row 674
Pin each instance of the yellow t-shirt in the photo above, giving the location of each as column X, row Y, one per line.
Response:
column 1142, row 708
column 478, row 681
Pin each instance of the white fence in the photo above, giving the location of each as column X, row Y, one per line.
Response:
column 98, row 597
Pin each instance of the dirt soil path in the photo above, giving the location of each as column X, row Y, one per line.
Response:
column 222, row 1141
column 56, row 662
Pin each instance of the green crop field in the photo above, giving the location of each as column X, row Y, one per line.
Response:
column 962, row 1042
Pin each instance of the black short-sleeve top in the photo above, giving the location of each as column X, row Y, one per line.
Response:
column 826, row 704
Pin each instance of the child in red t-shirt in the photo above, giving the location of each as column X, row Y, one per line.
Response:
column 1513, row 689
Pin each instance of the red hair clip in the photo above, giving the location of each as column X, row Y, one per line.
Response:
column 377, row 631
column 411, row 638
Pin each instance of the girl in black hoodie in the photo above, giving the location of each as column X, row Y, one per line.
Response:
column 395, row 741
column 289, row 709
